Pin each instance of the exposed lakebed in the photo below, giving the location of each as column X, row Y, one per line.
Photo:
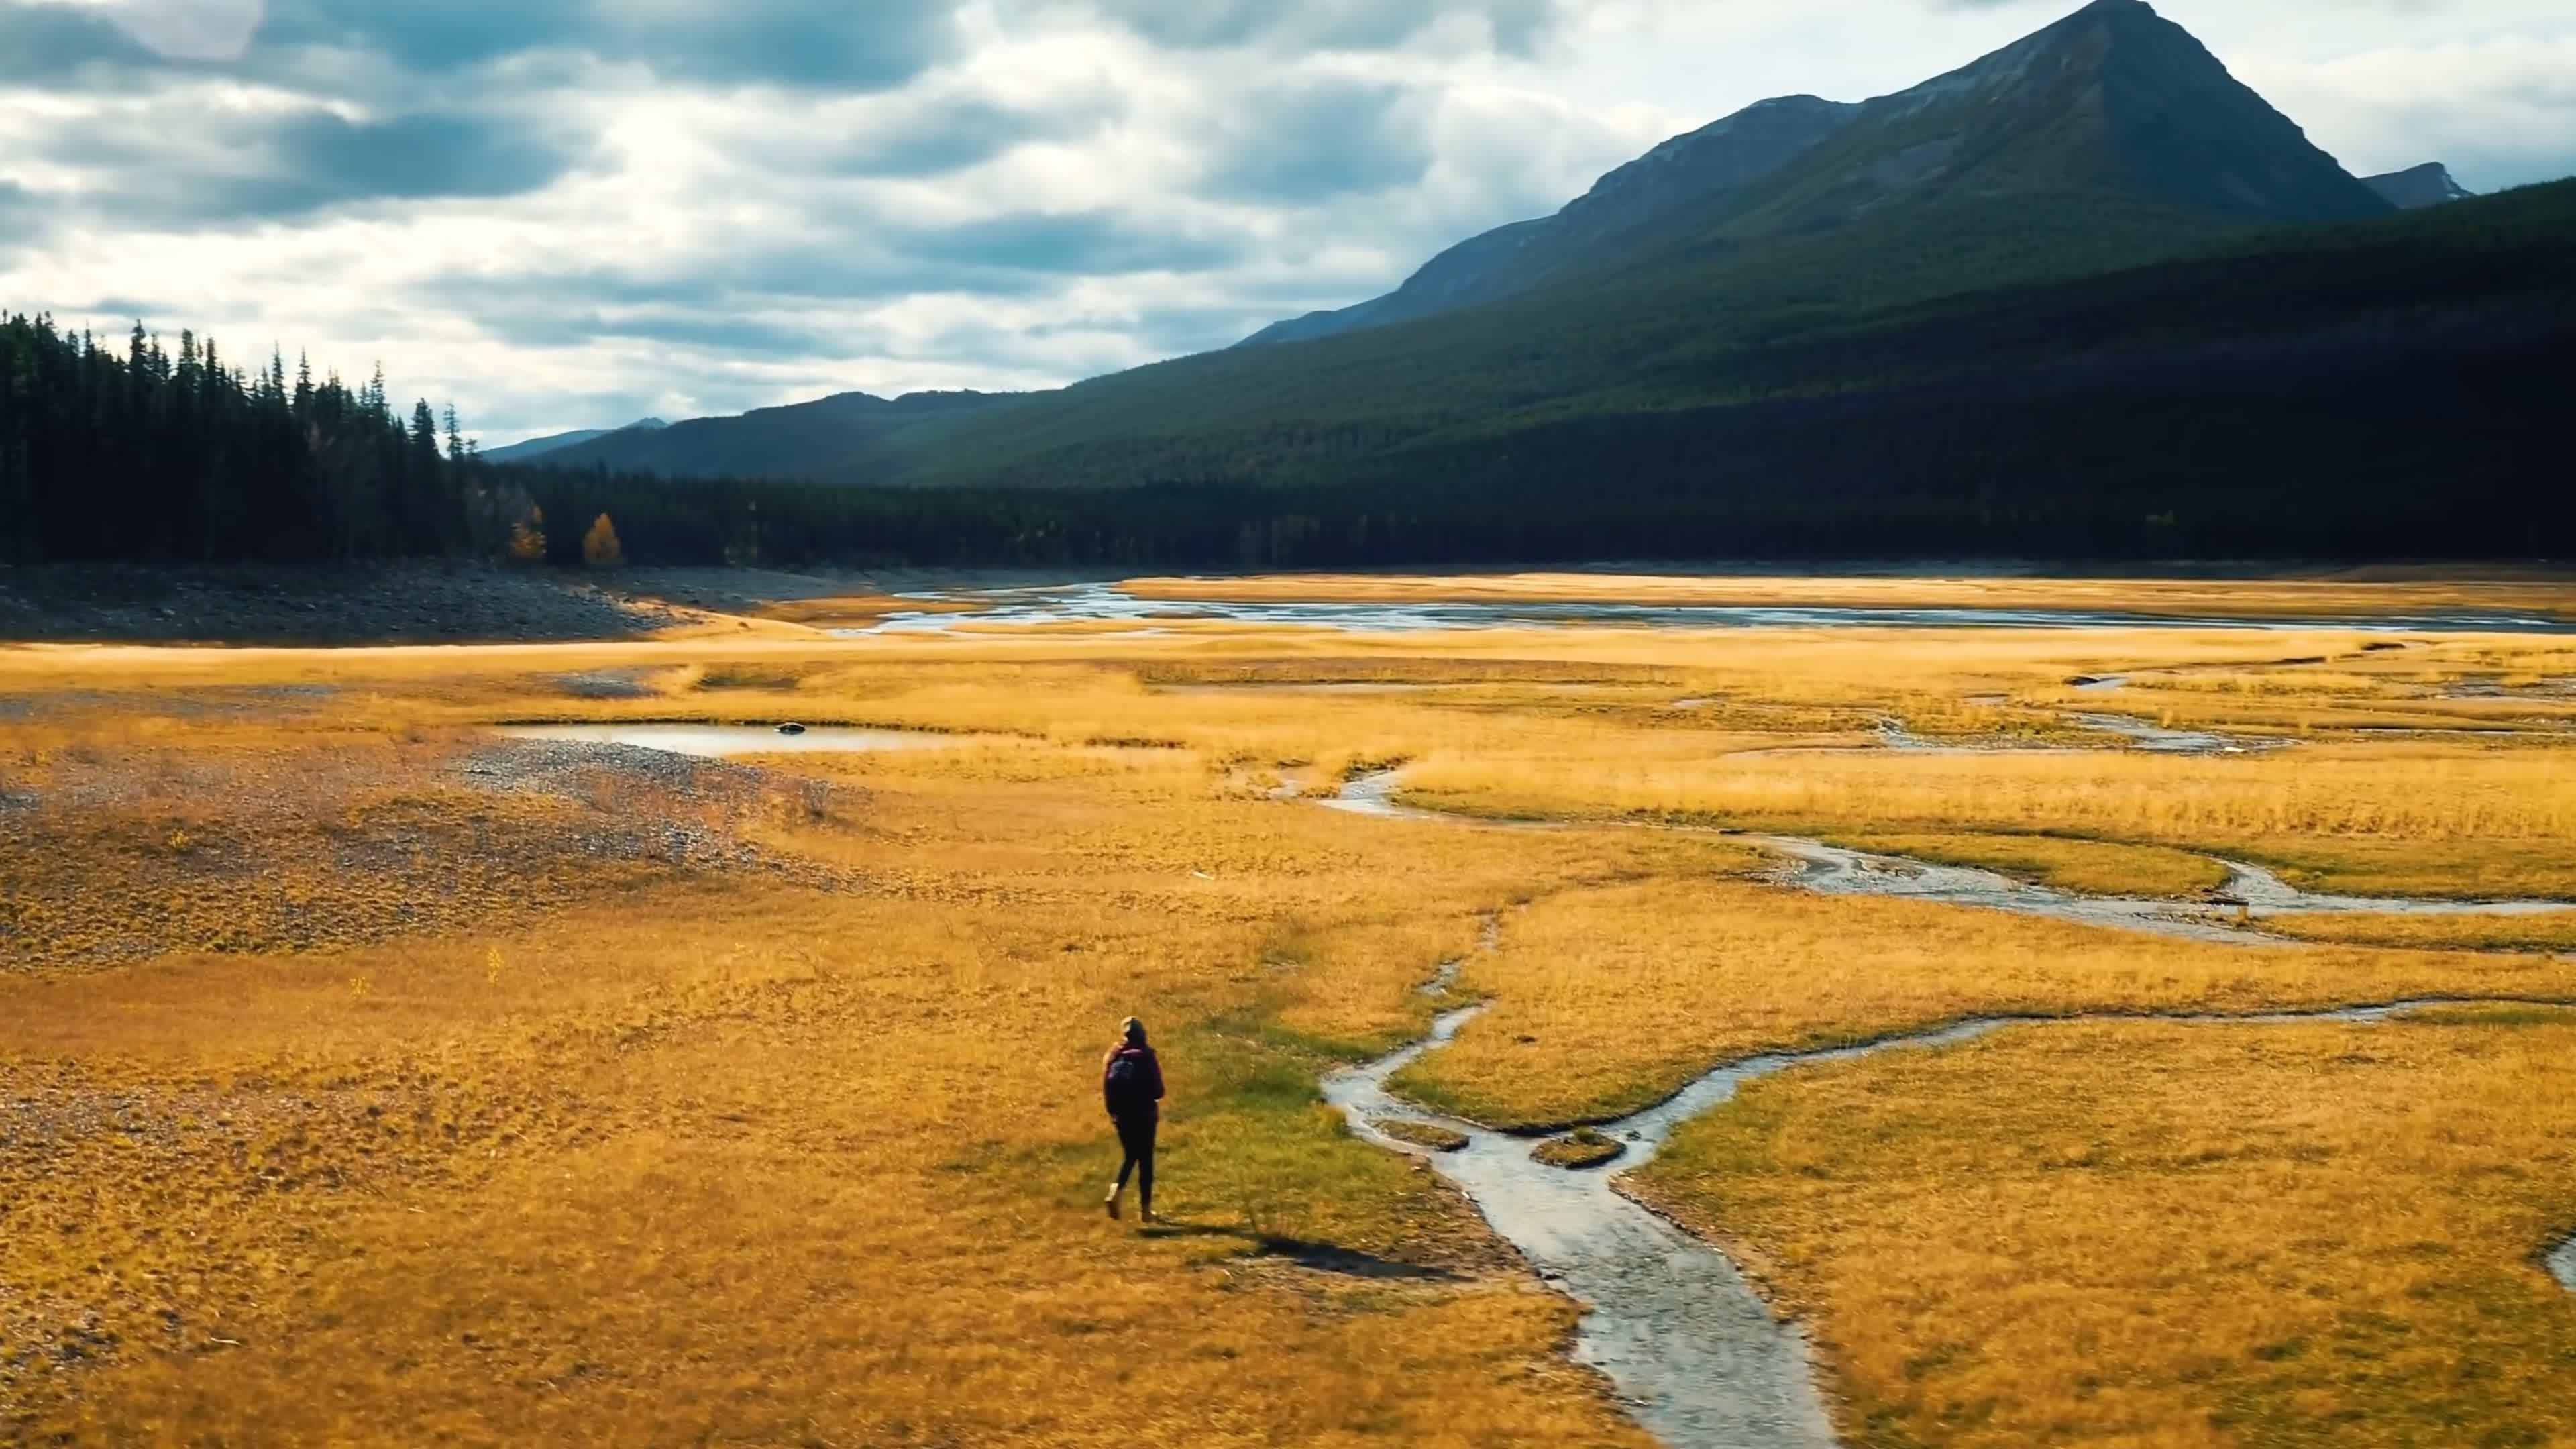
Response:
column 1101, row 604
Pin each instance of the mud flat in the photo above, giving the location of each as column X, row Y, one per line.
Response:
column 1108, row 604
column 385, row 603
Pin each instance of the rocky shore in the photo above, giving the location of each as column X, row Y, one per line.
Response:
column 382, row 604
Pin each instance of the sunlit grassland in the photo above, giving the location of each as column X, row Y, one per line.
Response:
column 2382, row 592
column 1595, row 725
column 2551, row 931
column 724, row 1154
column 357, row 1086
column 1610, row 1000
column 2369, row 818
column 842, row 1185
column 2167, row 1236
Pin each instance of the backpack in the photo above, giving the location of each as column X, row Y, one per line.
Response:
column 1124, row 1086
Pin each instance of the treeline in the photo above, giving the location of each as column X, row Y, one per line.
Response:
column 133, row 454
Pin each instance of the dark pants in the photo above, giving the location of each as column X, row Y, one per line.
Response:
column 1136, row 1139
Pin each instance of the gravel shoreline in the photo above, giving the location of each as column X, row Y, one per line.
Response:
column 385, row 604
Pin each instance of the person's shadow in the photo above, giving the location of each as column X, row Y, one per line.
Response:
column 1319, row 1257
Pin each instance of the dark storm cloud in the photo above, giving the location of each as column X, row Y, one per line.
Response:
column 708, row 331
column 1517, row 25
column 1075, row 244
column 754, row 277
column 951, row 133
column 936, row 141
column 233, row 169
column 329, row 159
column 56, row 45
column 870, row 45
column 729, row 304
column 22, row 219
column 1324, row 138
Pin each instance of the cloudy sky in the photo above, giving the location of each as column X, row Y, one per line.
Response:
column 571, row 213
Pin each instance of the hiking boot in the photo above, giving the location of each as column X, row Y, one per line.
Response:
column 1148, row 1216
column 1111, row 1202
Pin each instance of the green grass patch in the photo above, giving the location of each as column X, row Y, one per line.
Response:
column 1583, row 1147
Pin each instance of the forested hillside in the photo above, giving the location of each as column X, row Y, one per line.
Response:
column 134, row 454
column 842, row 436
column 2385, row 389
column 1354, row 406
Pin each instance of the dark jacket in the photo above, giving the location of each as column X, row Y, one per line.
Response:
column 1147, row 1067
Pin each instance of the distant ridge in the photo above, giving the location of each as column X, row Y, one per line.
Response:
column 2417, row 187
column 535, row 448
column 819, row 439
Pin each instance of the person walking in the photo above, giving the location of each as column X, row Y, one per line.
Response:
column 1131, row 1087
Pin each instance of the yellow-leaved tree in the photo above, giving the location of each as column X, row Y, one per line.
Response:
column 599, row 547
column 528, row 538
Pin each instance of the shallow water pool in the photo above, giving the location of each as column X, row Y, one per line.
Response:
column 719, row 742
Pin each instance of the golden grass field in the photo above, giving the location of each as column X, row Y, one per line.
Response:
column 2168, row 1235
column 365, row 1079
column 1611, row 1000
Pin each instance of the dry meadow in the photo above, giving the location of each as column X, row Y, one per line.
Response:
column 366, row 1077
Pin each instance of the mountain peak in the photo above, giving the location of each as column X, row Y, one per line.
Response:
column 2115, row 96
column 2110, row 105
column 1688, row 170
column 2430, row 184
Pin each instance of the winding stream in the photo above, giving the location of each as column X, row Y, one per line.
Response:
column 1097, row 604
column 2251, row 894
column 1672, row 1322
column 2159, row 740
